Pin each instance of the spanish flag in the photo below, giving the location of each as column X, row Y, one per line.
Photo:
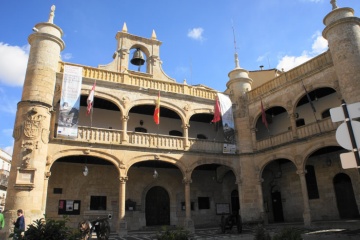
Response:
column 157, row 110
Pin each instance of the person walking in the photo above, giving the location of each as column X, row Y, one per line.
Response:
column 2, row 220
column 19, row 224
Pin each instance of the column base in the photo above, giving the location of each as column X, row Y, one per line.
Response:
column 122, row 228
column 307, row 219
column 189, row 225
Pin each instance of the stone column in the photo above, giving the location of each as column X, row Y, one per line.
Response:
column 307, row 213
column 293, row 124
column 189, row 223
column 263, row 214
column 125, row 136
column 342, row 33
column 46, row 183
column 32, row 125
column 122, row 224
column 186, row 135
column 253, row 138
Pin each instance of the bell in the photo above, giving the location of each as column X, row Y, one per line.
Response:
column 138, row 58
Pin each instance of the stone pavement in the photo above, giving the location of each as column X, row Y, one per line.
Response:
column 329, row 230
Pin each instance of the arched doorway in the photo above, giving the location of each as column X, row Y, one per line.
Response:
column 345, row 198
column 157, row 207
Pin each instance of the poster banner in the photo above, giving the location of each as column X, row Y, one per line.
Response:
column 70, row 102
column 228, row 123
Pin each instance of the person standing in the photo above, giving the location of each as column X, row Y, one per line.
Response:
column 2, row 220
column 19, row 225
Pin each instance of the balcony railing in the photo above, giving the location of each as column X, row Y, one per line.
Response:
column 156, row 141
column 320, row 126
column 142, row 81
column 311, row 129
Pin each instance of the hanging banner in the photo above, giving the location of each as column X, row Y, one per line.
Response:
column 70, row 102
column 228, row 123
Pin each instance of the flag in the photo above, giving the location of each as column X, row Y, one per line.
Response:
column 157, row 110
column 263, row 116
column 217, row 112
column 90, row 99
column 309, row 99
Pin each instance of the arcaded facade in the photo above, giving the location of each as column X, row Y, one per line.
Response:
column 282, row 165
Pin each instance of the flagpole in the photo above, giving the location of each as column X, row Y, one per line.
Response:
column 311, row 105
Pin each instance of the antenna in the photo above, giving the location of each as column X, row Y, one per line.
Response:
column 234, row 36
column 236, row 55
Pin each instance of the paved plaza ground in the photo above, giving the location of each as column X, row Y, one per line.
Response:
column 329, row 230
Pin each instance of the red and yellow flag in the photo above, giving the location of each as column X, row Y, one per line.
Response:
column 157, row 110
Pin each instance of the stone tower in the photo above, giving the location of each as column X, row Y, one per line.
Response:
column 342, row 32
column 239, row 83
column 27, row 186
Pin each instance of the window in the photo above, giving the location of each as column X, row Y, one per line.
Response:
column 325, row 114
column 57, row 190
column 98, row 203
column 175, row 133
column 141, row 129
column 201, row 136
column 300, row 122
column 204, row 202
column 311, row 182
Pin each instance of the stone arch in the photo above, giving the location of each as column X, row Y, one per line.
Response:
column 94, row 153
column 267, row 160
column 211, row 161
column 299, row 95
column 168, row 105
column 164, row 158
column 198, row 111
column 259, row 113
column 316, row 146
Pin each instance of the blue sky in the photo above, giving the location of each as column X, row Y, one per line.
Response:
column 197, row 37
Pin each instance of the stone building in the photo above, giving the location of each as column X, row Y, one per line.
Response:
column 5, row 164
column 281, row 163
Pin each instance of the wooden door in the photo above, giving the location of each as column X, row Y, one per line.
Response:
column 157, row 207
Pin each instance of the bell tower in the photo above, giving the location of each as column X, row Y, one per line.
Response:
column 146, row 52
column 32, row 125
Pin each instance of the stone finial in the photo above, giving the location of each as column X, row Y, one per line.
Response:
column 124, row 29
column 153, row 35
column 52, row 14
column 333, row 3
column 237, row 65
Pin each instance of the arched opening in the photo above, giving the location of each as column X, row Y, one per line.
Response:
column 157, row 207
column 277, row 122
column 345, row 198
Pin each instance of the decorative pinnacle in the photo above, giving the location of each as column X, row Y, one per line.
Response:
column 333, row 3
column 153, row 35
column 124, row 29
column 52, row 14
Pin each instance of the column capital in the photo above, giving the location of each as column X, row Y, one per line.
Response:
column 186, row 180
column 123, row 179
column 125, row 118
column 301, row 172
column 185, row 126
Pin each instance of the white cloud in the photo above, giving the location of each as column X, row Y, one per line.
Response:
column 319, row 46
column 196, row 33
column 67, row 56
column 13, row 63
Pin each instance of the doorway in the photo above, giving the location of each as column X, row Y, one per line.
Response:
column 345, row 197
column 157, row 207
column 235, row 204
column 277, row 206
